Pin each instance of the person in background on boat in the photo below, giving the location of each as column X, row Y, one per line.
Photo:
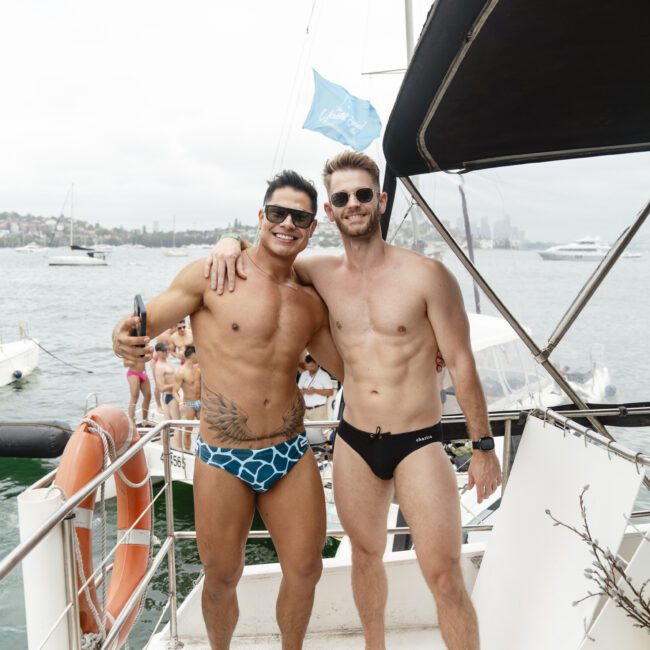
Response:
column 138, row 380
column 188, row 379
column 393, row 310
column 165, row 338
column 316, row 386
column 163, row 374
column 252, row 450
column 180, row 339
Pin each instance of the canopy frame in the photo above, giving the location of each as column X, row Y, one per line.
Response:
column 583, row 297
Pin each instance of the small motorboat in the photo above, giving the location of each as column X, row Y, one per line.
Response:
column 17, row 359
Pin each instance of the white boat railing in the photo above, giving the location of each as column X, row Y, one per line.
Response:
column 64, row 516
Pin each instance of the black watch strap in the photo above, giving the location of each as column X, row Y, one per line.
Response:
column 486, row 443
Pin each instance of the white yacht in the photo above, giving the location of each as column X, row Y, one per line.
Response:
column 587, row 248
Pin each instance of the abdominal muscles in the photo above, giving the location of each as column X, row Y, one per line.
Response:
column 392, row 384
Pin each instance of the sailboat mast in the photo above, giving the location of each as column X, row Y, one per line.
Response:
column 408, row 21
column 71, row 211
column 408, row 14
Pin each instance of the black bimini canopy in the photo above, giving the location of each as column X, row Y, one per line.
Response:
column 502, row 82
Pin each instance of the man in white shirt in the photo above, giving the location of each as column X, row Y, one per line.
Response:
column 316, row 386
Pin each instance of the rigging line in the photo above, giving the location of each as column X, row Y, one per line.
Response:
column 58, row 220
column 297, row 97
column 498, row 188
column 284, row 131
column 401, row 223
column 90, row 372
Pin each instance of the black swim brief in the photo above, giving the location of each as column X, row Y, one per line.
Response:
column 383, row 451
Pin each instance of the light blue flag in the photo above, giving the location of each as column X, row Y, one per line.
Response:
column 341, row 116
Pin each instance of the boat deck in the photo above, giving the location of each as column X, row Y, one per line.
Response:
column 429, row 638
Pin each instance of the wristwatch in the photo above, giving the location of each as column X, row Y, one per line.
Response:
column 486, row 443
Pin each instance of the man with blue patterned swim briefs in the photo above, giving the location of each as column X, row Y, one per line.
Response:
column 252, row 447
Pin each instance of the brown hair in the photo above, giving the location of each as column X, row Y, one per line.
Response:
column 350, row 160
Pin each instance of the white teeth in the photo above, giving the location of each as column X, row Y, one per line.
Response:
column 284, row 237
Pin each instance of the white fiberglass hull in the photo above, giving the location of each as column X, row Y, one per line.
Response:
column 579, row 256
column 525, row 560
column 17, row 360
column 76, row 260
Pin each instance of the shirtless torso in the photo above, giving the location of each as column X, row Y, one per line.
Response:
column 164, row 374
column 179, row 340
column 385, row 337
column 249, row 344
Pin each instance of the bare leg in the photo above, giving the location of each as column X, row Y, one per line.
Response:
column 134, row 393
column 428, row 495
column 224, row 508
column 145, row 387
column 362, row 502
column 172, row 412
column 294, row 512
column 190, row 414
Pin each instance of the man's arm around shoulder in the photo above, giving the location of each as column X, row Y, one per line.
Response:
column 225, row 263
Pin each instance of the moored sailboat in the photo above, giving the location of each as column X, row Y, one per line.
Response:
column 91, row 257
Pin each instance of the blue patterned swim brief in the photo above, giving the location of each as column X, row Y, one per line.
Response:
column 258, row 468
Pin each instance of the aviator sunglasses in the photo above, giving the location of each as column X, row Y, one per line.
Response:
column 277, row 214
column 340, row 199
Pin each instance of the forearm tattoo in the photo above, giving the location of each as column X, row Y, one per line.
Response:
column 229, row 422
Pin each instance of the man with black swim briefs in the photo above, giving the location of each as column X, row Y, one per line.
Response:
column 252, row 448
column 391, row 311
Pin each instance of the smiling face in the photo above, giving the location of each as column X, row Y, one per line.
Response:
column 285, row 239
column 355, row 220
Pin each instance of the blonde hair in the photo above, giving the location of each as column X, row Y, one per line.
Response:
column 350, row 160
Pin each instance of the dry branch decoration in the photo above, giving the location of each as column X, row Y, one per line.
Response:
column 608, row 572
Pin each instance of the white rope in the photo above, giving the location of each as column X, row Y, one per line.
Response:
column 123, row 539
column 94, row 640
column 91, row 641
column 103, row 434
column 86, row 592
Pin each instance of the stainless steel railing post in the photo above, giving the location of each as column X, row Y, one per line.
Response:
column 72, row 595
column 171, row 555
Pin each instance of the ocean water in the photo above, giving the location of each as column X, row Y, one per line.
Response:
column 72, row 310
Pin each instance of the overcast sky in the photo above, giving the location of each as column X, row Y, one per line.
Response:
column 156, row 109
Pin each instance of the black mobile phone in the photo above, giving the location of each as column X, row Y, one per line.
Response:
column 139, row 310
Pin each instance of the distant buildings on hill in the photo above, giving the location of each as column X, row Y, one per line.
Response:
column 18, row 230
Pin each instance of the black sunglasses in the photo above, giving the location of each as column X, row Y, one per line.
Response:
column 277, row 214
column 340, row 199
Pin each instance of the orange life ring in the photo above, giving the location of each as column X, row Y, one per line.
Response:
column 82, row 460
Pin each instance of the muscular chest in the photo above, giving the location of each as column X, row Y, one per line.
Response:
column 259, row 313
column 375, row 306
